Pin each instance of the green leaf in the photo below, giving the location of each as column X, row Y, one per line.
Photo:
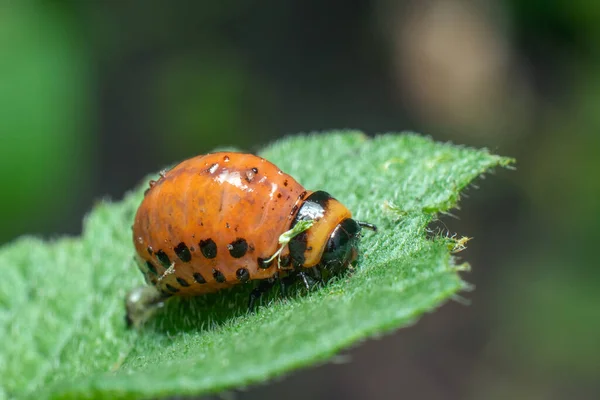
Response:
column 61, row 317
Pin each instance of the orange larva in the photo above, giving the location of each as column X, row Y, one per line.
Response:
column 214, row 221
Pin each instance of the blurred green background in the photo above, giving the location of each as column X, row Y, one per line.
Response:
column 95, row 94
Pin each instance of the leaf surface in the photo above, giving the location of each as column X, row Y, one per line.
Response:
column 61, row 315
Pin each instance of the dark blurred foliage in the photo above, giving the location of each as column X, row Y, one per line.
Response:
column 94, row 95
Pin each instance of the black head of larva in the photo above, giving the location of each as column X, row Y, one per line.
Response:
column 341, row 248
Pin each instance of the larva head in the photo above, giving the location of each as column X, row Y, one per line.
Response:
column 341, row 249
column 332, row 241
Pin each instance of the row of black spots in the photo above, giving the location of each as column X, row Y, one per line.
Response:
column 217, row 275
column 242, row 275
column 208, row 248
column 237, row 248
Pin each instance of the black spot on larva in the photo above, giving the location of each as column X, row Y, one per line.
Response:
column 208, row 248
column 302, row 195
column 263, row 263
column 237, row 248
column 226, row 158
column 227, row 225
column 183, row 252
column 218, row 275
column 171, row 288
column 278, row 195
column 255, row 170
column 242, row 275
column 182, row 282
column 163, row 258
column 294, row 209
column 212, row 168
column 150, row 250
column 192, row 248
column 285, row 183
column 199, row 278
column 151, row 267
